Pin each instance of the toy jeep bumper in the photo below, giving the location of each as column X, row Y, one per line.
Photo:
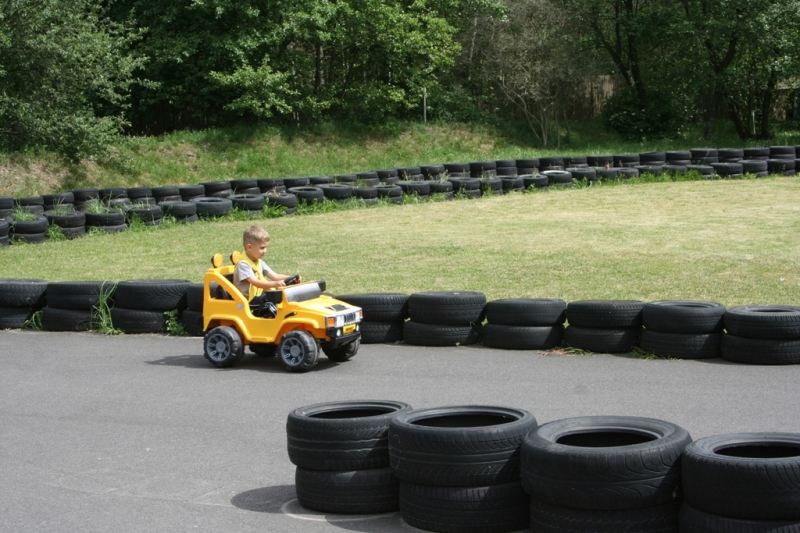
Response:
column 305, row 322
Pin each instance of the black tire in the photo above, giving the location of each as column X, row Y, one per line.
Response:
column 307, row 195
column 14, row 317
column 152, row 294
column 463, row 185
column 760, row 351
column 458, row 446
column 29, row 227
column 295, row 182
column 341, row 354
column 137, row 320
column 248, row 202
column 538, row 181
column 78, row 295
column 192, row 322
column 682, row 345
column 754, row 167
column 438, row 187
column 583, row 174
column 420, row 188
column 264, row 350
column 653, row 170
column 223, row 347
column 446, row 307
column 55, row 199
column 213, row 187
column 551, row 162
column 727, row 169
column 420, row 334
column 626, row 160
column 194, row 297
column 380, row 306
column 116, row 218
column 4, row 227
column 73, row 233
column 365, row 193
column 337, row 191
column 627, row 172
column 23, row 293
column 389, row 191
column 605, row 313
column 647, row 158
column 191, row 191
column 490, row 509
column 179, row 209
column 696, row 521
column 764, row 321
column 555, row 519
column 683, row 316
column 756, row 153
column 149, row 214
column 110, row 229
column 76, row 219
column 4, row 242
column 381, row 332
column 298, row 351
column 29, row 238
column 604, row 462
column 213, row 207
column 522, row 337
column 558, row 177
column 283, row 199
column 745, row 475
column 84, row 195
column 356, row 492
column 678, row 170
column 348, row 435
column 602, row 340
column 54, row 319
column 112, row 193
column 526, row 311
column 137, row 193
column 600, row 160
column 513, row 183
column 703, row 170
column 607, row 173
column 187, row 220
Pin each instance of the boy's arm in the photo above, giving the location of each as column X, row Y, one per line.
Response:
column 253, row 280
column 280, row 277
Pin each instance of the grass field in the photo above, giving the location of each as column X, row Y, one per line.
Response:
column 327, row 149
column 734, row 242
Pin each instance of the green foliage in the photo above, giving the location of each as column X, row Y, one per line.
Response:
column 34, row 322
column 65, row 73
column 173, row 325
column 625, row 115
column 101, row 313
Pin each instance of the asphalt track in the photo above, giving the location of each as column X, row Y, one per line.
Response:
column 140, row 434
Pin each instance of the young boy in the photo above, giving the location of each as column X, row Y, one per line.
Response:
column 251, row 273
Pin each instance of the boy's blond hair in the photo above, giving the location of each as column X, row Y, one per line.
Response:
column 255, row 234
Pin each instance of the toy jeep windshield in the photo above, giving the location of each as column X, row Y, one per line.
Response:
column 294, row 322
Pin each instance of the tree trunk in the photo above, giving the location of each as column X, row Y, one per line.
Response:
column 766, row 108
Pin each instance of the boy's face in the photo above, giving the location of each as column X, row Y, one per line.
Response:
column 256, row 250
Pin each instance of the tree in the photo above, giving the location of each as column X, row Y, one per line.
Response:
column 64, row 76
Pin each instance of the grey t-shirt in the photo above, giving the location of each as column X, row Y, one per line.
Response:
column 243, row 271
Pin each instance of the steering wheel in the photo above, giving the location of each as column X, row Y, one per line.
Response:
column 291, row 280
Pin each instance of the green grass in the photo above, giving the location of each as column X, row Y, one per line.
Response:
column 731, row 241
column 326, row 149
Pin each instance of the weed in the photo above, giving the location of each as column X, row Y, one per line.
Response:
column 99, row 207
column 60, row 209
column 101, row 312
column 638, row 353
column 174, row 326
column 34, row 322
column 274, row 211
column 54, row 233
column 21, row 215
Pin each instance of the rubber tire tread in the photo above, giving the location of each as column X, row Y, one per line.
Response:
column 340, row 442
column 526, row 312
column 696, row 521
column 192, row 322
column 356, row 492
column 447, row 308
column 23, row 293
column 522, row 337
column 743, row 487
column 615, row 476
column 419, row 334
column 760, row 351
column 489, row 509
column 555, row 519
column 683, row 316
column 14, row 317
column 682, row 345
column 379, row 306
column 605, row 313
column 137, row 320
column 764, row 321
column 381, row 332
column 194, row 297
column 602, row 340
column 472, row 456
column 152, row 294
column 78, row 295
column 54, row 319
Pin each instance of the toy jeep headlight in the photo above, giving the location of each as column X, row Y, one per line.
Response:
column 339, row 321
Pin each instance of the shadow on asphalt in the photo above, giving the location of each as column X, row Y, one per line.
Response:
column 271, row 365
column 712, row 361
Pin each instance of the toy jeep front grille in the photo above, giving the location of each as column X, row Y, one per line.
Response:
column 351, row 318
column 337, row 307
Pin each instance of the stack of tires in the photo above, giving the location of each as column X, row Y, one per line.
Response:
column 782, row 160
column 110, row 221
column 248, row 202
column 184, row 211
column 341, row 450
column 149, row 215
column 524, row 323
column 459, row 468
column 71, row 223
column 31, row 204
column 189, row 192
column 285, row 200
column 384, row 315
column 604, row 326
column 217, row 189
column 466, row 186
column 762, row 335
column 527, row 167
column 213, row 206
column 337, row 192
column 19, row 300
column 4, row 227
column 140, row 306
column 444, row 318
column 6, row 207
column 746, row 482
column 29, row 231
column 192, row 316
column 70, row 304
column 604, row 475
column 683, row 329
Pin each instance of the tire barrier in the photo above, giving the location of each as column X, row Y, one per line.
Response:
column 524, row 323
column 19, row 300
column 140, row 306
column 459, row 468
column 444, row 318
column 762, row 335
column 341, row 451
column 683, row 329
column 604, row 326
column 71, row 305
column 384, row 315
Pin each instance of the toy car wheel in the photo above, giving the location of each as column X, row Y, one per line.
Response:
column 343, row 353
column 264, row 350
column 298, row 351
column 223, row 346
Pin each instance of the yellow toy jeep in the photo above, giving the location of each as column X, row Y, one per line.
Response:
column 298, row 322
